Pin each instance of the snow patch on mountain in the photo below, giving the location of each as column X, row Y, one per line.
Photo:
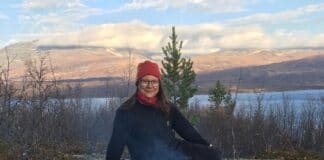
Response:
column 113, row 52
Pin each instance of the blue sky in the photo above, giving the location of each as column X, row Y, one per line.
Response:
column 204, row 25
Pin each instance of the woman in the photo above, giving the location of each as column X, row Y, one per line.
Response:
column 146, row 122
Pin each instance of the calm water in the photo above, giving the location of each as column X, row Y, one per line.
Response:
column 296, row 99
column 299, row 97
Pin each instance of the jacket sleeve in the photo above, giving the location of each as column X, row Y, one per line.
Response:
column 118, row 138
column 183, row 127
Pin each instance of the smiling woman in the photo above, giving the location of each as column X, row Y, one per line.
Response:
column 146, row 123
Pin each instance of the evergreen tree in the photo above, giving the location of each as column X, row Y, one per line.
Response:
column 178, row 75
column 221, row 96
column 217, row 94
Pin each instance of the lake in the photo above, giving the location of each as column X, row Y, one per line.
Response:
column 297, row 98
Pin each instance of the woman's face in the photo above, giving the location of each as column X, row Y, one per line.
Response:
column 149, row 86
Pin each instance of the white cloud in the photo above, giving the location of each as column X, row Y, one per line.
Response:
column 278, row 17
column 57, row 21
column 197, row 39
column 133, row 34
column 3, row 16
column 282, row 38
column 54, row 15
column 216, row 6
column 317, row 41
column 49, row 4
column 245, row 37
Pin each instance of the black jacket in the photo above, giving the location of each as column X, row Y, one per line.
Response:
column 149, row 135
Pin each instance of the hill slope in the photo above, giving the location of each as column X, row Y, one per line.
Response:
column 297, row 74
column 93, row 65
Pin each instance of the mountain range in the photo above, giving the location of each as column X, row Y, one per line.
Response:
column 248, row 69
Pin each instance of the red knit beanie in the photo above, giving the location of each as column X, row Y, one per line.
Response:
column 147, row 68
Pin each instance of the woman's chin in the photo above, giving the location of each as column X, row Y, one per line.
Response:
column 150, row 95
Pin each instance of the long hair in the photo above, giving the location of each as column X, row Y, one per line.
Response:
column 162, row 102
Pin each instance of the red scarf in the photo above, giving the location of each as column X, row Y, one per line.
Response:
column 146, row 100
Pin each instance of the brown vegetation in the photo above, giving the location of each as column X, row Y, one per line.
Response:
column 38, row 121
column 275, row 133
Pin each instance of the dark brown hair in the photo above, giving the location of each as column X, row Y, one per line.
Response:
column 162, row 102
